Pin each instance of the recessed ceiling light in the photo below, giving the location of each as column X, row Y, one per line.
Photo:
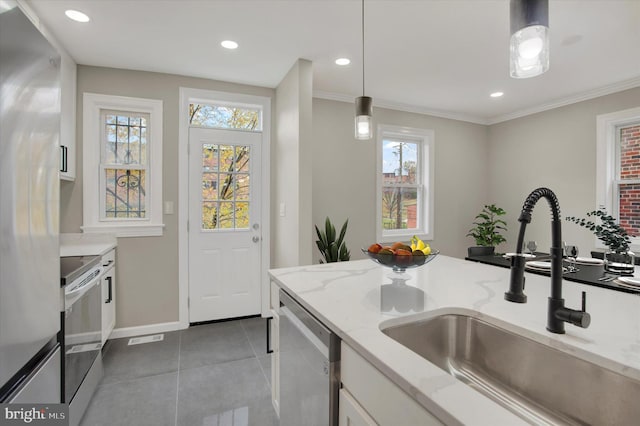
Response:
column 6, row 5
column 496, row 94
column 76, row 15
column 343, row 61
column 229, row 44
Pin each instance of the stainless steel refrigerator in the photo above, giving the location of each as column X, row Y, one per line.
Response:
column 29, row 209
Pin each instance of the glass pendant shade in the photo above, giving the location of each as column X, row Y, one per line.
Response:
column 364, row 120
column 529, row 46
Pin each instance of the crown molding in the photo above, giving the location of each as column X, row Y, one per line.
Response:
column 557, row 103
column 584, row 96
column 381, row 103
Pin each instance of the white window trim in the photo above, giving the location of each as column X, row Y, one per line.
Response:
column 426, row 139
column 93, row 103
column 606, row 166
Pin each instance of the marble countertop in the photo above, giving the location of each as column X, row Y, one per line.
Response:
column 356, row 298
column 86, row 244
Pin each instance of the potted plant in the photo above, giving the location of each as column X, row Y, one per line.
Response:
column 487, row 229
column 618, row 258
column 331, row 249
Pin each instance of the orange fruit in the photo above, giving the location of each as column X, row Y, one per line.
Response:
column 397, row 245
column 374, row 248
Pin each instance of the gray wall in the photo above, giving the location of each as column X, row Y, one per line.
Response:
column 344, row 174
column 474, row 165
column 291, row 168
column 147, row 271
column 557, row 149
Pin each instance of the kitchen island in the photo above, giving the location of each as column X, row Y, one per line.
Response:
column 356, row 299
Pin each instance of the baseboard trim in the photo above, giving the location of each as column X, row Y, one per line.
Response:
column 141, row 330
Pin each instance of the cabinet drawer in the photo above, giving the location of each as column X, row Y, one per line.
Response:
column 380, row 397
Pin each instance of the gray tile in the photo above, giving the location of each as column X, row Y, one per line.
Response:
column 216, row 394
column 147, row 401
column 209, row 344
column 124, row 362
column 265, row 363
column 256, row 329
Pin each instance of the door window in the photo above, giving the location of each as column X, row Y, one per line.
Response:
column 226, row 186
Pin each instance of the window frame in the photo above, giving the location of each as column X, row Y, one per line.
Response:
column 425, row 175
column 608, row 163
column 94, row 220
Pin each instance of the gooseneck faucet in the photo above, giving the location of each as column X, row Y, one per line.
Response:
column 557, row 313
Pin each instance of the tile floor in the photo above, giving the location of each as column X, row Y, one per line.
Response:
column 208, row 375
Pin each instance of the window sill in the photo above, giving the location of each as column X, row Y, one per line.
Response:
column 126, row 230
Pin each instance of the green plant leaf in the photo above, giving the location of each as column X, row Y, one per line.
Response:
column 333, row 252
column 343, row 231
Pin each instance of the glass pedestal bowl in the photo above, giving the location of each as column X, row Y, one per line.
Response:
column 400, row 263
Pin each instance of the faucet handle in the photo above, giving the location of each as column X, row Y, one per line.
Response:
column 558, row 311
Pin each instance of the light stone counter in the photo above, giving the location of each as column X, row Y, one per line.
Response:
column 86, row 244
column 347, row 297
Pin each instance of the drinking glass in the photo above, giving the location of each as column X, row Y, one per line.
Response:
column 572, row 253
column 532, row 246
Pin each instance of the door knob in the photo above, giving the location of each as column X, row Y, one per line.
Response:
column 255, row 239
column 256, row 226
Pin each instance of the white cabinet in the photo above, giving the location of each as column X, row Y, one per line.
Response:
column 108, row 294
column 351, row 413
column 68, row 79
column 372, row 399
column 68, row 76
column 274, row 305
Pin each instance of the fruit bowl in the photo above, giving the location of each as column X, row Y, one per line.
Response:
column 400, row 263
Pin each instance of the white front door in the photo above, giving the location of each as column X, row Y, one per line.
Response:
column 224, row 224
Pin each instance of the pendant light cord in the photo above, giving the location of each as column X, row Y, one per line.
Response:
column 362, row 47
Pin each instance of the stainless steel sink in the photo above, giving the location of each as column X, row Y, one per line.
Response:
column 537, row 382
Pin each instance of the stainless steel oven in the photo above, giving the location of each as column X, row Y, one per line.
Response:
column 82, row 331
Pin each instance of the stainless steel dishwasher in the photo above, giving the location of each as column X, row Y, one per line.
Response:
column 309, row 368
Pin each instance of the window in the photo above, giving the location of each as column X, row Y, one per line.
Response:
column 122, row 163
column 404, row 183
column 224, row 116
column 618, row 174
column 225, row 187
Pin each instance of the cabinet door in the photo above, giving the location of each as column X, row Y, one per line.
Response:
column 108, row 294
column 380, row 397
column 274, row 304
column 351, row 413
column 275, row 361
column 108, row 303
column 68, row 71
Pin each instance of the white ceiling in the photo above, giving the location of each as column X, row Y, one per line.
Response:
column 437, row 56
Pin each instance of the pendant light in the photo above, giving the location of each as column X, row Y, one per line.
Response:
column 364, row 104
column 529, row 48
